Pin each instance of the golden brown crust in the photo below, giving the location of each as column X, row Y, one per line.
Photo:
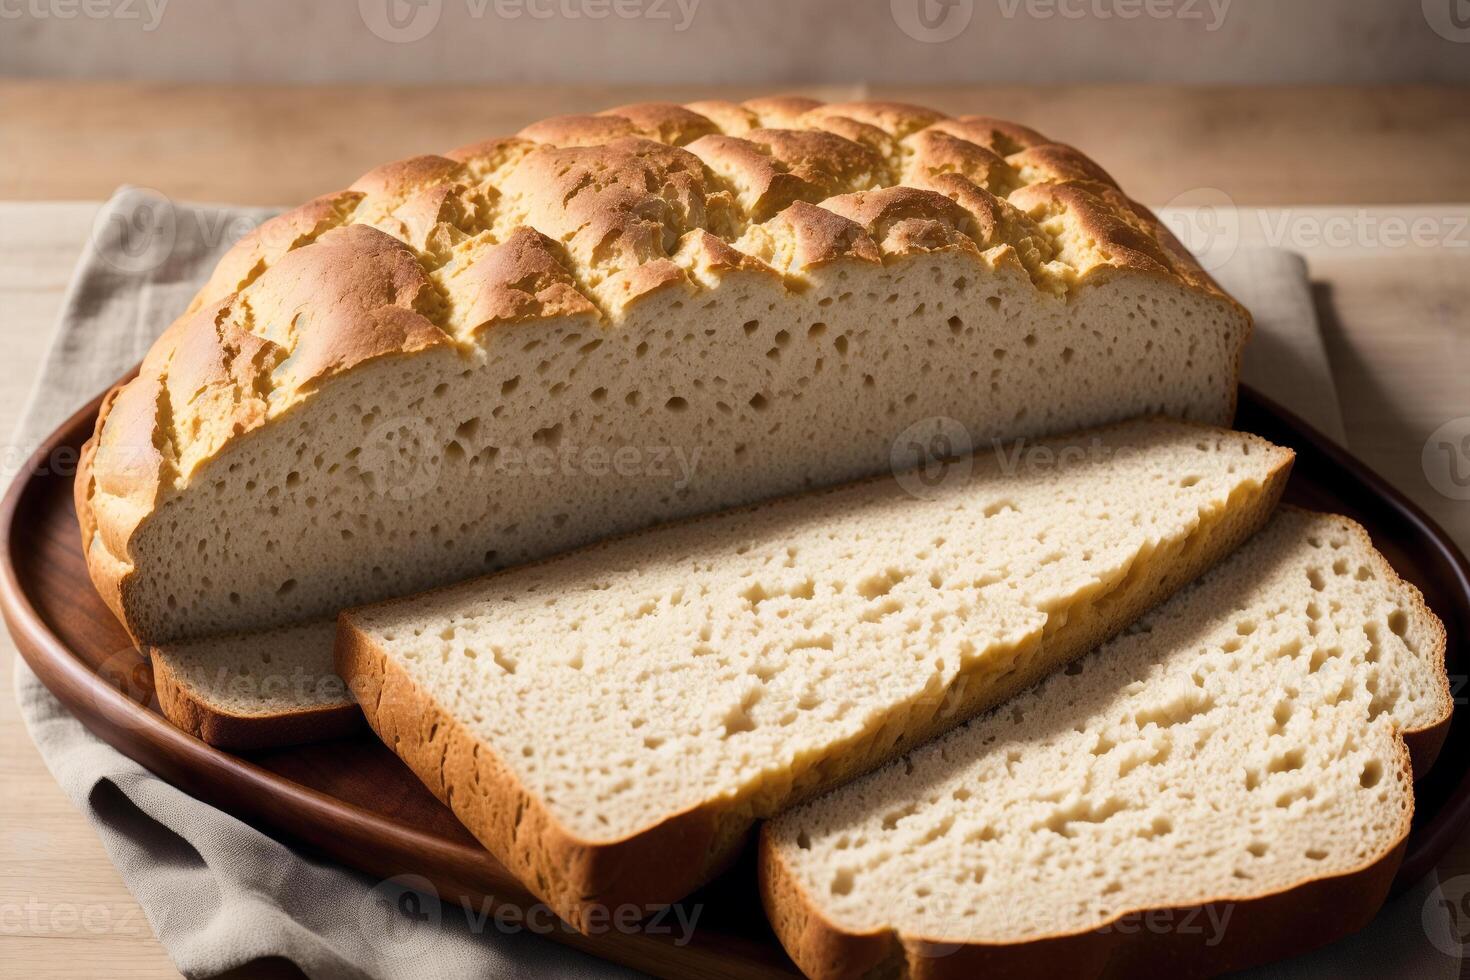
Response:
column 626, row 203
column 210, row 722
column 665, row 862
column 1262, row 929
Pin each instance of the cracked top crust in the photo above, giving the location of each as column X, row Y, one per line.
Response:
column 586, row 216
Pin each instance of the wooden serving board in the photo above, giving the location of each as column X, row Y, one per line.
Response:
column 353, row 801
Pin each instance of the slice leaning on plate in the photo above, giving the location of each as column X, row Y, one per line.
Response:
column 611, row 722
column 1227, row 783
column 256, row 690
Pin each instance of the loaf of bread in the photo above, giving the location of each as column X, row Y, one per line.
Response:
column 1229, row 782
column 610, row 723
column 468, row 361
column 256, row 690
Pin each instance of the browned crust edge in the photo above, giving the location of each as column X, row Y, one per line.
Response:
column 108, row 584
column 1262, row 929
column 224, row 729
column 581, row 879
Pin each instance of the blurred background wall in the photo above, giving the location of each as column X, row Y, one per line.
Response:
column 735, row 41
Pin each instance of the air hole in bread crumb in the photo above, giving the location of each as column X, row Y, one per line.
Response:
column 286, row 587
column 843, row 881
column 1398, row 622
column 676, row 404
column 1372, row 774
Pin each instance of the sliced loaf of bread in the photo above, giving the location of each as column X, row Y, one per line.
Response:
column 256, row 690
column 465, row 362
column 611, row 722
column 1226, row 783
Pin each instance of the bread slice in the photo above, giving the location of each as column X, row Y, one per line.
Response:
column 1228, row 782
column 467, row 362
column 611, row 722
column 256, row 690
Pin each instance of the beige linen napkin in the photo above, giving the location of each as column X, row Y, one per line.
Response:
column 219, row 893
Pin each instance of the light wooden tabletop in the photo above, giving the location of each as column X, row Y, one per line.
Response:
column 1361, row 181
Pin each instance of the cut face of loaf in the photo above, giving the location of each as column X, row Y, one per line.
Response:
column 256, row 690
column 1236, row 760
column 610, row 722
column 471, row 361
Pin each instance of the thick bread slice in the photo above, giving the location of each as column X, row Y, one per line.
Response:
column 471, row 361
column 1226, row 783
column 256, row 690
column 610, row 722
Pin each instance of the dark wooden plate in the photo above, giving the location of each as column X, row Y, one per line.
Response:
column 351, row 800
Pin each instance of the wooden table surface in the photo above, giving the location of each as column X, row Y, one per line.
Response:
column 1358, row 179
